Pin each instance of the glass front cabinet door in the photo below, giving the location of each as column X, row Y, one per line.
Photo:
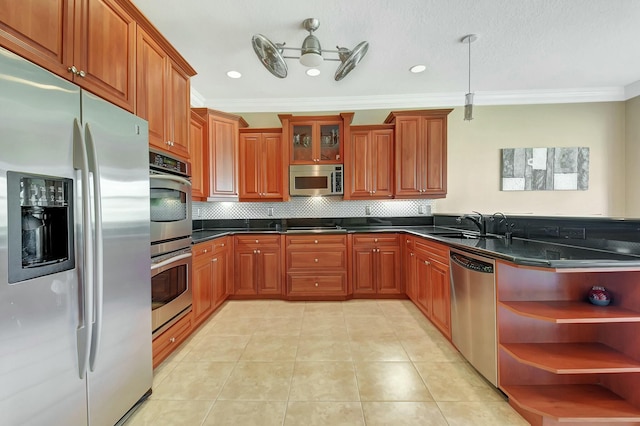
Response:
column 316, row 140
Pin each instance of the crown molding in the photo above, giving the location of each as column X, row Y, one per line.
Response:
column 196, row 99
column 632, row 90
column 421, row 100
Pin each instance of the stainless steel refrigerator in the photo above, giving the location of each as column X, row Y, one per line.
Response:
column 75, row 297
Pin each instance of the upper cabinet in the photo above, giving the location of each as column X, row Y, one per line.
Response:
column 197, row 136
column 420, row 153
column 221, row 152
column 90, row 42
column 162, row 96
column 369, row 163
column 261, row 165
column 315, row 139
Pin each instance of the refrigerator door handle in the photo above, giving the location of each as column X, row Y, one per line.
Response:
column 98, row 257
column 84, row 331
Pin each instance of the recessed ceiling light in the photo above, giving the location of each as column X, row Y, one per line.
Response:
column 234, row 74
column 313, row 72
column 417, row 68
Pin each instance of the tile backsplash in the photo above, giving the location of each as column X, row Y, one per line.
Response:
column 305, row 207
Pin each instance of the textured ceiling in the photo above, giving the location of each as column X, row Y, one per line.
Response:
column 528, row 51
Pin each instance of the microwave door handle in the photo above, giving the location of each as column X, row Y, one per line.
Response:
column 172, row 178
column 170, row 261
column 84, row 330
column 333, row 183
column 98, row 255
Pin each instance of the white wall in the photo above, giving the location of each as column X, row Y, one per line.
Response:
column 474, row 161
column 632, row 157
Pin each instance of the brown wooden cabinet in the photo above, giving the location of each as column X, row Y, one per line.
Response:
column 431, row 287
column 257, row 265
column 162, row 96
column 315, row 139
column 376, row 264
column 197, row 137
column 409, row 267
column 369, row 163
column 171, row 338
column 420, row 153
column 316, row 266
column 90, row 42
column 210, row 277
column 221, row 152
column 562, row 360
column 261, row 165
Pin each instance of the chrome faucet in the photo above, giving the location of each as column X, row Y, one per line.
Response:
column 478, row 221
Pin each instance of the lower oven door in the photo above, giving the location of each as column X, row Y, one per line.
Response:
column 170, row 288
column 170, row 207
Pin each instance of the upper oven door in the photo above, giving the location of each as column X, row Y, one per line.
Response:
column 170, row 207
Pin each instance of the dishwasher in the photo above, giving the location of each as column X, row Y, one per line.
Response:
column 473, row 311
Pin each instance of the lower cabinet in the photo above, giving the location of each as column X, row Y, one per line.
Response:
column 376, row 264
column 170, row 339
column 316, row 266
column 430, row 282
column 257, row 265
column 210, row 277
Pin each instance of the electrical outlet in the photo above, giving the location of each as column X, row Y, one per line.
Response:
column 198, row 212
column 367, row 210
column 422, row 209
column 269, row 211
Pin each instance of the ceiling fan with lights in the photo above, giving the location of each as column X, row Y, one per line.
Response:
column 311, row 54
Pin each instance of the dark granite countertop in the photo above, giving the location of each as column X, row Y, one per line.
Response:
column 517, row 250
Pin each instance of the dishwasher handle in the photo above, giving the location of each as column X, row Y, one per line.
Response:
column 473, row 264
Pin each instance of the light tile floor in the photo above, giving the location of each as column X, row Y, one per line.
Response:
column 360, row 362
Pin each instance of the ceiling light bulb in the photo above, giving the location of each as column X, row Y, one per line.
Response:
column 311, row 59
column 234, row 74
column 417, row 69
column 312, row 72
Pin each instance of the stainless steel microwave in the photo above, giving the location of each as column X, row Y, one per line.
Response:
column 315, row 180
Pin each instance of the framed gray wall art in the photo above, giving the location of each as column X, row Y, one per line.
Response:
column 545, row 169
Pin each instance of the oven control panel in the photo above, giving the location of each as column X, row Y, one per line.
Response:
column 164, row 163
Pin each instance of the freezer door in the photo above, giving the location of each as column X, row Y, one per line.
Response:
column 40, row 382
column 120, row 364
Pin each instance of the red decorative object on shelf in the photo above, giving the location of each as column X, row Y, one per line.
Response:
column 599, row 295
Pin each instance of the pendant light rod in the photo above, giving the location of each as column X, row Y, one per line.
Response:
column 468, row 103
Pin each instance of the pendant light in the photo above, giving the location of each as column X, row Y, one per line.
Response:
column 468, row 98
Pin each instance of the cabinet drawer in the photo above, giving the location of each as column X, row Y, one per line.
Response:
column 201, row 250
column 376, row 239
column 220, row 243
column 437, row 251
column 319, row 259
column 257, row 240
column 168, row 341
column 315, row 240
column 318, row 284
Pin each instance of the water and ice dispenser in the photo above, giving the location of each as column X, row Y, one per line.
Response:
column 40, row 216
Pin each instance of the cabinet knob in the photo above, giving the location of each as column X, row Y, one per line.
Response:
column 254, row 251
column 172, row 340
column 407, row 241
column 257, row 241
column 426, row 263
column 316, row 284
column 72, row 69
column 374, row 192
column 214, row 260
column 411, row 254
column 315, row 241
column 81, row 73
column 205, row 250
column 222, row 245
column 375, row 240
column 316, row 260
column 258, row 251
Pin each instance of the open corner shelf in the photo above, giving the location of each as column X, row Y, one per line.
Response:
column 570, row 312
column 573, row 403
column 573, row 358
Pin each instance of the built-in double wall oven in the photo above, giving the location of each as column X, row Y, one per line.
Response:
column 170, row 190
